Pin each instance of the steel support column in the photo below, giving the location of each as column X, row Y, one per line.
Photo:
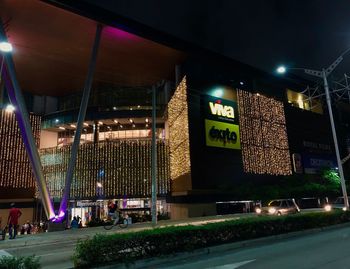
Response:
column 154, row 157
column 22, row 116
column 335, row 140
column 81, row 117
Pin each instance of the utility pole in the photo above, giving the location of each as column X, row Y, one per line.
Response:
column 154, row 158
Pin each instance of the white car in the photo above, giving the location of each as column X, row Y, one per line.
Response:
column 279, row 207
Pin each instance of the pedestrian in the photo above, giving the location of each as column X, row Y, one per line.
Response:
column 29, row 227
column 74, row 223
column 12, row 220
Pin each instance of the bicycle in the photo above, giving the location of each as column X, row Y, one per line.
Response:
column 116, row 221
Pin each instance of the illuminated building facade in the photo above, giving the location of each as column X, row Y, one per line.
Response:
column 219, row 123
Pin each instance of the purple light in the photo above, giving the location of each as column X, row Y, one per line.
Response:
column 120, row 34
column 59, row 217
column 61, row 214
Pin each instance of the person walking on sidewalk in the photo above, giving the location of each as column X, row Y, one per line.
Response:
column 12, row 220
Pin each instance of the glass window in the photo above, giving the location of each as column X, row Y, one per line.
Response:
column 275, row 203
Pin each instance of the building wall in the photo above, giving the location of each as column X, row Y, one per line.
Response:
column 48, row 139
column 15, row 168
column 27, row 207
column 178, row 126
column 217, row 172
column 109, row 169
column 186, row 210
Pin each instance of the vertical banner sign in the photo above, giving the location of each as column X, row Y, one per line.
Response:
column 221, row 123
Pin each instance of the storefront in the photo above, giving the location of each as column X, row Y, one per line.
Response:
column 138, row 209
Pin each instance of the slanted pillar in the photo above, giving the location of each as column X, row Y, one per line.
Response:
column 81, row 117
column 15, row 95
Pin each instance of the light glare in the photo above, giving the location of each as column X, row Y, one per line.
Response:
column 281, row 69
column 218, row 92
column 328, row 208
column 5, row 47
column 10, row 108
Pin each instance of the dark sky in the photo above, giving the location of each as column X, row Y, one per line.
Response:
column 262, row 33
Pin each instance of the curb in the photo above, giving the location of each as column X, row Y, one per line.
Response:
column 157, row 261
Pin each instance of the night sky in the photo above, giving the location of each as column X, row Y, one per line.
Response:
column 309, row 33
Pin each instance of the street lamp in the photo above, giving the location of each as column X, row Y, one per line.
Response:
column 324, row 74
column 281, row 69
column 10, row 108
column 5, row 46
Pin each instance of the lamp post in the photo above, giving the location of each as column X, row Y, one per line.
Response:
column 324, row 74
column 5, row 47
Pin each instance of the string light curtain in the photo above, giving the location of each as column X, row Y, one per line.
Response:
column 15, row 168
column 180, row 163
column 109, row 169
column 263, row 131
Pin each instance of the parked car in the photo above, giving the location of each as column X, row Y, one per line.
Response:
column 312, row 202
column 339, row 203
column 279, row 207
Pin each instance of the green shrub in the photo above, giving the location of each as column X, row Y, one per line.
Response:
column 11, row 262
column 127, row 247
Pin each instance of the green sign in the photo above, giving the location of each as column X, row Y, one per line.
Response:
column 222, row 134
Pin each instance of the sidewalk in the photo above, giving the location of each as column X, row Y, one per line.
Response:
column 84, row 233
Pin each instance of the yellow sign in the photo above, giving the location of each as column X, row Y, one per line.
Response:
column 221, row 134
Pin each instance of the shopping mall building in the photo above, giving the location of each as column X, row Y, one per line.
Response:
column 219, row 123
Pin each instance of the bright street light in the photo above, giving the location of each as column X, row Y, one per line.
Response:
column 10, row 108
column 5, row 47
column 281, row 69
column 324, row 73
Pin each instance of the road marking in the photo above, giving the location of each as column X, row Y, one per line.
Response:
column 232, row 265
column 4, row 253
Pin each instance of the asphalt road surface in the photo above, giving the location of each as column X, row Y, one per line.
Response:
column 327, row 250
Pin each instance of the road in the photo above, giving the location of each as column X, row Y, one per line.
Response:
column 327, row 250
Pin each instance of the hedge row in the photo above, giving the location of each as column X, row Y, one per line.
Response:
column 124, row 248
column 11, row 262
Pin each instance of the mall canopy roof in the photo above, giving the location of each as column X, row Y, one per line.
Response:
column 52, row 47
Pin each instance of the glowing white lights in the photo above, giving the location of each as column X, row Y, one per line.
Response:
column 327, row 208
column 5, row 47
column 281, row 69
column 272, row 210
column 99, row 184
column 10, row 108
column 218, row 92
column 258, row 210
column 61, row 128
